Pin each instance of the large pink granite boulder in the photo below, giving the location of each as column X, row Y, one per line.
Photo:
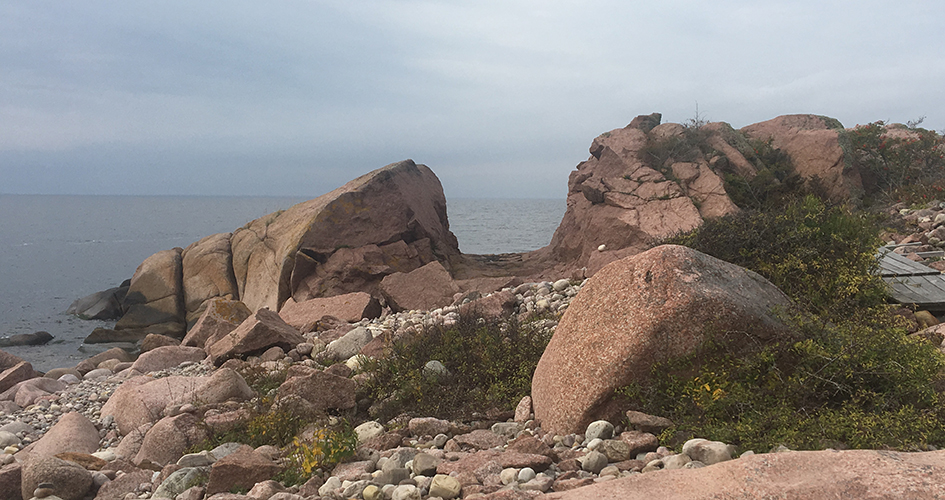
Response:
column 639, row 311
column 155, row 301
column 220, row 317
column 274, row 256
column 142, row 400
column 616, row 200
column 73, row 432
column 425, row 288
column 28, row 391
column 259, row 332
column 170, row 438
column 70, row 481
column 350, row 307
column 873, row 474
column 207, row 274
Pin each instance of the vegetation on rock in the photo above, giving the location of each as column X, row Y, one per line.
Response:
column 848, row 376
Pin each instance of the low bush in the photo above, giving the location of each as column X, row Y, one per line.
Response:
column 860, row 384
column 489, row 366
column 847, row 375
column 327, row 446
column 823, row 257
column 899, row 167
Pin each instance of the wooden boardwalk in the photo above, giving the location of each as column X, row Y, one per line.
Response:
column 912, row 283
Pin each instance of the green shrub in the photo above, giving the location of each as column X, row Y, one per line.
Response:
column 823, row 257
column 847, row 374
column 775, row 184
column 489, row 364
column 860, row 384
column 327, row 447
column 894, row 167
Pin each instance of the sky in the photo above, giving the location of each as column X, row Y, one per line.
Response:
column 500, row 98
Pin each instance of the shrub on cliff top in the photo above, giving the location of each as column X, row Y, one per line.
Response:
column 489, row 363
column 823, row 257
column 908, row 168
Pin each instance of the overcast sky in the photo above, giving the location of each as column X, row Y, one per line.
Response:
column 499, row 98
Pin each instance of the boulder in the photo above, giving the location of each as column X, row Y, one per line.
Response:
column 14, row 370
column 277, row 256
column 425, row 288
column 220, row 317
column 142, row 400
column 101, row 335
column 322, row 390
column 873, row 474
column 72, row 433
column 207, row 274
column 117, row 488
column 21, row 339
column 814, row 145
column 162, row 358
column 152, row 341
column 170, row 438
column 498, row 305
column 259, row 332
column 69, row 481
column 641, row 310
column 350, row 307
column 241, row 469
column 155, row 302
column 11, row 480
column 224, row 385
column 348, row 345
column 102, row 305
column 28, row 391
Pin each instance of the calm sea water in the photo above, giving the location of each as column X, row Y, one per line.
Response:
column 55, row 249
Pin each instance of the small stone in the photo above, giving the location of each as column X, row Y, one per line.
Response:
column 440, row 440
column 445, row 487
column 403, row 492
column 507, row 429
column 610, row 470
column 593, row 462
column 599, row 429
column 676, row 461
column 708, row 452
column 509, row 475
column 332, row 484
column 368, row 430
column 601, row 248
column 526, row 474
column 372, row 492
column 434, row 368
column 594, row 444
column 424, row 464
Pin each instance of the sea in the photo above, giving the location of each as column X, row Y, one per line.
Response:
column 55, row 249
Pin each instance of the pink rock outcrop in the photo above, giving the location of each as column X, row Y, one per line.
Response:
column 350, row 307
column 639, row 311
column 155, row 301
column 872, row 474
column 813, row 143
column 392, row 219
column 207, row 273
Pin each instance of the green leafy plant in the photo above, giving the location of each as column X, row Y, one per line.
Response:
column 823, row 257
column 489, row 364
column 905, row 165
column 845, row 375
column 328, row 446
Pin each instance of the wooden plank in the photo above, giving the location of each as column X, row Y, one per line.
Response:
column 923, row 291
column 893, row 264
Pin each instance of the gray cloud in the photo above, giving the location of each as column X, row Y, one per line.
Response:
column 499, row 98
